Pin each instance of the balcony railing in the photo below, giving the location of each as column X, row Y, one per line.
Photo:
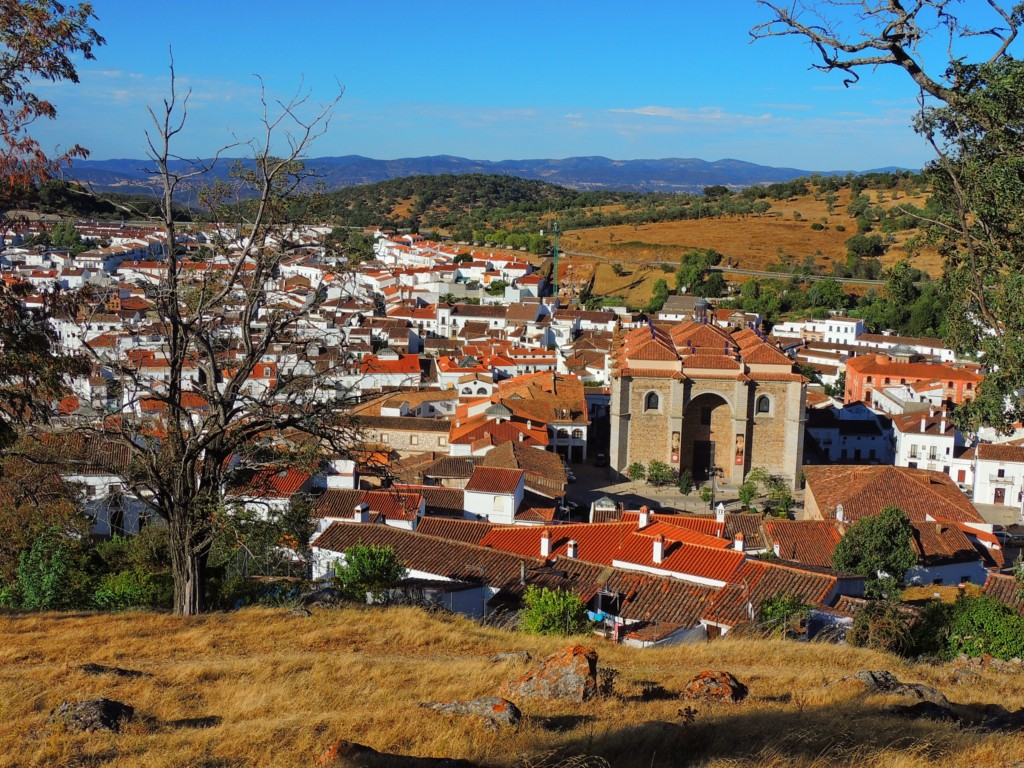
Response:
column 1000, row 480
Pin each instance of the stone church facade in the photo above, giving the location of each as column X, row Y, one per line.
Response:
column 697, row 396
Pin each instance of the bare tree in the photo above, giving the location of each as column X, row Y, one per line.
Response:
column 244, row 378
column 851, row 35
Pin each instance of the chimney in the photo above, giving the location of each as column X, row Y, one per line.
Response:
column 545, row 543
column 738, row 543
column 840, row 514
column 938, row 529
column 659, row 549
column 778, row 550
column 522, row 572
column 942, row 424
column 923, row 425
column 570, row 550
column 645, row 517
column 361, row 513
column 720, row 513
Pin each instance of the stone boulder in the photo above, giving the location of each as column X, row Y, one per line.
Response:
column 348, row 754
column 883, row 681
column 103, row 669
column 714, row 686
column 495, row 711
column 91, row 715
column 513, row 657
column 569, row 674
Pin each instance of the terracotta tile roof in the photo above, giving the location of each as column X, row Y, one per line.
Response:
column 337, row 502
column 439, row 500
column 393, row 504
column 1003, row 452
column 740, row 601
column 537, row 515
column 805, row 541
column 596, row 542
column 494, row 480
column 453, row 529
column 684, row 560
column 545, row 473
column 866, row 490
column 939, row 543
column 707, row 361
column 452, row 468
column 881, row 365
column 270, row 483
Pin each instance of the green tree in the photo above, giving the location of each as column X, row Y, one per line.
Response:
column 369, row 569
column 878, row 548
column 827, row 293
column 659, row 295
column 659, row 473
column 617, row 270
column 553, row 612
column 783, row 615
column 693, row 269
column 747, row 492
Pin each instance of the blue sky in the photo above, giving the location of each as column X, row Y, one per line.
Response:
column 488, row 80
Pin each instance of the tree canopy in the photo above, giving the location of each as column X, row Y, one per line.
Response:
column 879, row 549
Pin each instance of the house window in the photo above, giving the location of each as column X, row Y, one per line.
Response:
column 442, row 441
column 414, row 439
column 1001, row 473
column 577, row 434
column 652, row 401
column 764, row 404
column 481, row 391
column 385, row 438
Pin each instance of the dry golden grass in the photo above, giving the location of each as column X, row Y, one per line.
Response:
column 751, row 242
column 284, row 687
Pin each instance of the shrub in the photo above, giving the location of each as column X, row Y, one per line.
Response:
column 982, row 625
column 134, row 588
column 883, row 625
column 783, row 615
column 636, row 472
column 48, row 576
column 369, row 568
column 553, row 612
column 707, row 494
column 817, row 226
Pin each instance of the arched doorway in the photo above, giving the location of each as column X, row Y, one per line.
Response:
column 707, row 439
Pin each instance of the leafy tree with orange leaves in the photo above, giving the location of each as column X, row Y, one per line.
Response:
column 39, row 40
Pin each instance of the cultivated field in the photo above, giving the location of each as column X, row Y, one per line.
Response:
column 264, row 688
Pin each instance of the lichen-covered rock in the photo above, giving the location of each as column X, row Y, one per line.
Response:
column 714, row 686
column 569, row 674
column 91, row 715
column 517, row 657
column 495, row 711
column 883, row 681
column 348, row 754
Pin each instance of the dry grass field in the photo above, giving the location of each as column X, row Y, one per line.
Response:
column 282, row 688
column 751, row 242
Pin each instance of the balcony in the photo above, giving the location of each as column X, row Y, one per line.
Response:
column 997, row 480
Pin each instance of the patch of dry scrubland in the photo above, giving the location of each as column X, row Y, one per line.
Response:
column 284, row 687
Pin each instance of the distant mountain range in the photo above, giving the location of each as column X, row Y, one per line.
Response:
column 581, row 173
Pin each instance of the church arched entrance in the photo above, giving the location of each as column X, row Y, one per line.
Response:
column 707, row 440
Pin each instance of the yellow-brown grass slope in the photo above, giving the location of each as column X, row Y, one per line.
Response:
column 284, row 687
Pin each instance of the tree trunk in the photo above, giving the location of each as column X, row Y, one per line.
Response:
column 188, row 566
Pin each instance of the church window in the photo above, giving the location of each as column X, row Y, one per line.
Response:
column 764, row 404
column 652, row 401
